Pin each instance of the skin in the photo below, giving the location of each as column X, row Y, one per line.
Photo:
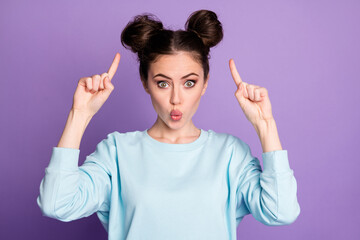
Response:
column 92, row 92
column 255, row 103
column 175, row 93
column 254, row 100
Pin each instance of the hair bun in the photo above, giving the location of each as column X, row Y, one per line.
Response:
column 206, row 25
column 137, row 32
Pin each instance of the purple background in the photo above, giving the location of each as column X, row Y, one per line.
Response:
column 306, row 53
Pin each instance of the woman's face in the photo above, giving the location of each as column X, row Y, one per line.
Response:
column 176, row 82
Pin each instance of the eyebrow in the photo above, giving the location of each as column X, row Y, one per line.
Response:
column 162, row 75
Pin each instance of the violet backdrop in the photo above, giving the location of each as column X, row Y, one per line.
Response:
column 306, row 53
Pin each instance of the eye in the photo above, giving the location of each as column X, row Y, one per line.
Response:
column 161, row 84
column 190, row 83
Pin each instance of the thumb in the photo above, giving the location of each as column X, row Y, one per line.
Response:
column 240, row 94
column 108, row 85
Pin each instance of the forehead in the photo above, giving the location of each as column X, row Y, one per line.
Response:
column 175, row 65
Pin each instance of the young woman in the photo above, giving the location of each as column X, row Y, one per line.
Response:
column 172, row 180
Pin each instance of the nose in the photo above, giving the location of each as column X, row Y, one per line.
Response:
column 175, row 96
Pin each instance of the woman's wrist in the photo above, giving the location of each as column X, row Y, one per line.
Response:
column 268, row 135
column 74, row 129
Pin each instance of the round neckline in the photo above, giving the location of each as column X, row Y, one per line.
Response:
column 176, row 146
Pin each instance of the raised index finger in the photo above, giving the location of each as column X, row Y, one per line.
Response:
column 234, row 72
column 114, row 66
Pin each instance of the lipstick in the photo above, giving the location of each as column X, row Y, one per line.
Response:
column 176, row 115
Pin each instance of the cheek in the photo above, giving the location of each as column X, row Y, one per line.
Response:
column 193, row 100
column 194, row 96
column 158, row 102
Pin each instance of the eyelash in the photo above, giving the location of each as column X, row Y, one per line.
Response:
column 193, row 81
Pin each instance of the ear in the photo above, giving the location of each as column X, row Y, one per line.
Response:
column 205, row 85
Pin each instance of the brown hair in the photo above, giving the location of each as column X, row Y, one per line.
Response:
column 146, row 36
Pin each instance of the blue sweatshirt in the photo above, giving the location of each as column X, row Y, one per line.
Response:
column 141, row 188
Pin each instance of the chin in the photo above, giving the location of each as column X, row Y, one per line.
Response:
column 175, row 124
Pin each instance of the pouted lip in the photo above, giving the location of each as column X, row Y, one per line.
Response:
column 175, row 113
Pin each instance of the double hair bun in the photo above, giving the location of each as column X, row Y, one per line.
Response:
column 202, row 23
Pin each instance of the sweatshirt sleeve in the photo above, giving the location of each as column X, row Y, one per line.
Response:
column 69, row 192
column 269, row 194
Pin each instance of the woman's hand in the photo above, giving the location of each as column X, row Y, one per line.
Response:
column 92, row 92
column 253, row 100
